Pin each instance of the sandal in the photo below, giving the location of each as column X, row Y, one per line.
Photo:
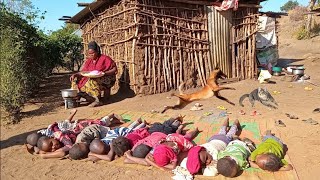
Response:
column 291, row 116
column 317, row 110
column 254, row 113
column 310, row 121
column 242, row 112
column 195, row 108
column 279, row 123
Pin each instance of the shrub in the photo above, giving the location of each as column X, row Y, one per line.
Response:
column 13, row 72
column 301, row 33
column 297, row 14
column 289, row 6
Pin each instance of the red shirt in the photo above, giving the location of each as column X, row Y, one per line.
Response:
column 104, row 63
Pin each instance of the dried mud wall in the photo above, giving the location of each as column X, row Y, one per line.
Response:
column 157, row 45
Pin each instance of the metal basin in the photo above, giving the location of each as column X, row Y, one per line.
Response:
column 298, row 71
column 69, row 93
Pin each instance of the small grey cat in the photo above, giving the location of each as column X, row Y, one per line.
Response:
column 261, row 95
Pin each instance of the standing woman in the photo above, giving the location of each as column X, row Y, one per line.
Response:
column 91, row 88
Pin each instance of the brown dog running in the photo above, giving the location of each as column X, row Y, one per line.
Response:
column 210, row 89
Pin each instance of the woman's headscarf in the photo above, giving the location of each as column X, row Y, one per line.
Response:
column 94, row 46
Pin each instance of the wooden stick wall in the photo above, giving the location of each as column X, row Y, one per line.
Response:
column 172, row 46
column 243, row 32
column 157, row 45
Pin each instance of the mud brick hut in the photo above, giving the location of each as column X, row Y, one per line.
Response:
column 157, row 44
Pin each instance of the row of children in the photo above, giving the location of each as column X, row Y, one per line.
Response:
column 158, row 144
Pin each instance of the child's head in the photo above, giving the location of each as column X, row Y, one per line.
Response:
column 48, row 144
column 141, row 151
column 164, row 155
column 227, row 167
column 197, row 157
column 268, row 162
column 99, row 147
column 33, row 138
column 205, row 158
column 79, row 151
column 120, row 145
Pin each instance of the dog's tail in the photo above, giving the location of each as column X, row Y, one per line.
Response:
column 242, row 98
column 180, row 87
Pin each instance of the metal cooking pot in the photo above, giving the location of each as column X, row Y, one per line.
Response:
column 298, row 71
column 69, row 93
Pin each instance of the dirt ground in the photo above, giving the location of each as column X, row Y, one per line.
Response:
column 301, row 138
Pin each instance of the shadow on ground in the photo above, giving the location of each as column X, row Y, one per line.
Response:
column 282, row 62
column 19, row 139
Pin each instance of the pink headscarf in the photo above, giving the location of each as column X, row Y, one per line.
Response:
column 163, row 155
column 193, row 162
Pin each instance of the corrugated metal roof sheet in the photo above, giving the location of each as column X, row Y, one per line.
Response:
column 87, row 11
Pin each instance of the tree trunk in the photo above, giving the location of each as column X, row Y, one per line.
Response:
column 309, row 18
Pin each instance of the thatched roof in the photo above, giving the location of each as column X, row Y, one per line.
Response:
column 92, row 7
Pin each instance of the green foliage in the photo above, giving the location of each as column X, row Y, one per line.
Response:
column 28, row 55
column 302, row 33
column 25, row 9
column 71, row 46
column 289, row 6
column 13, row 73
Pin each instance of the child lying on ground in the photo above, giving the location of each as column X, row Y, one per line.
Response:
column 269, row 155
column 98, row 147
column 165, row 154
column 142, row 148
column 123, row 144
column 204, row 157
column 61, row 136
column 233, row 159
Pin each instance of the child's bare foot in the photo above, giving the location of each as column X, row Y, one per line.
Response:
column 268, row 133
column 179, row 130
column 180, row 118
column 117, row 118
column 139, row 120
column 237, row 123
column 226, row 122
column 30, row 148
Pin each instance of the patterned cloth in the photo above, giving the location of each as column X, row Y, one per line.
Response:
column 227, row 4
column 69, row 137
column 113, row 134
column 238, row 151
column 151, row 140
column 94, row 86
column 183, row 144
column 91, row 132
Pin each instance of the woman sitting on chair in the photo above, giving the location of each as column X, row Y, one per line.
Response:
column 91, row 88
